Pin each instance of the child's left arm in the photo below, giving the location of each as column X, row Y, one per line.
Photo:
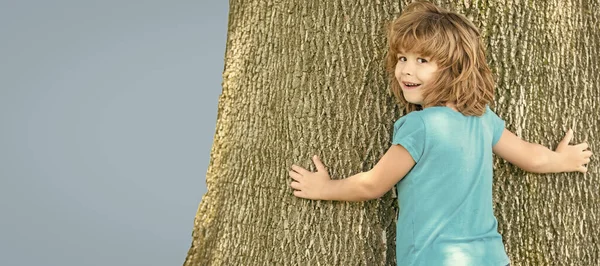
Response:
column 390, row 169
column 536, row 158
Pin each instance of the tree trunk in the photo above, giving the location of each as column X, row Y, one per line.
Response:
column 307, row 77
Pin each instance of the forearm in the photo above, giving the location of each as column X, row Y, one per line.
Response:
column 546, row 161
column 353, row 188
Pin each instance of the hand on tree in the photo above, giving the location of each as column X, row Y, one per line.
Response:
column 575, row 157
column 310, row 185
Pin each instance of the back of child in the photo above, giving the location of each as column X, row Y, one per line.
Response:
column 446, row 215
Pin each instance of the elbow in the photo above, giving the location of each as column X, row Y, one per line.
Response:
column 378, row 195
column 371, row 190
column 373, row 194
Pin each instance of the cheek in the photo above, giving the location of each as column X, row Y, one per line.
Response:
column 429, row 75
column 397, row 72
column 433, row 71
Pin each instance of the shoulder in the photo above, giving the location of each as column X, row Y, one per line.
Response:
column 413, row 118
column 489, row 111
column 492, row 116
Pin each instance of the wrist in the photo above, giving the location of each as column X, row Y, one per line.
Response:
column 561, row 162
column 547, row 161
column 556, row 162
column 326, row 190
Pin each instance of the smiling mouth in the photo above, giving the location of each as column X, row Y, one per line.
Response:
column 410, row 85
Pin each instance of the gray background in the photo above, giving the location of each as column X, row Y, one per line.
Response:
column 107, row 112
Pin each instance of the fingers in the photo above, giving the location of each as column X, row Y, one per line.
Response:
column 319, row 164
column 295, row 175
column 298, row 193
column 582, row 146
column 582, row 169
column 587, row 154
column 300, row 170
column 567, row 138
column 295, row 185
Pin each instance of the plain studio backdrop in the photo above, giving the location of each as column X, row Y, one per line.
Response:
column 108, row 112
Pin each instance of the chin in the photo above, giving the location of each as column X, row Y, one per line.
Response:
column 417, row 102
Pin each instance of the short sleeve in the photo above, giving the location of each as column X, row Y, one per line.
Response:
column 409, row 131
column 497, row 125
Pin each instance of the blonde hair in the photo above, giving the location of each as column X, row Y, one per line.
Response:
column 454, row 43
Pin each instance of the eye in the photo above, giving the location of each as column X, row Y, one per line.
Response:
column 422, row 60
column 402, row 58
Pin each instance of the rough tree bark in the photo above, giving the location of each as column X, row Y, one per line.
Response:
column 307, row 77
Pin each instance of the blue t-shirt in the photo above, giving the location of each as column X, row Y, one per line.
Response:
column 446, row 215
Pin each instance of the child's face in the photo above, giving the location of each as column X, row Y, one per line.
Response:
column 413, row 72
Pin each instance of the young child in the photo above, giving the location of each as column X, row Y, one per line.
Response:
column 441, row 152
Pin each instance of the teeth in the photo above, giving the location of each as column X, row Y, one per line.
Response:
column 411, row 84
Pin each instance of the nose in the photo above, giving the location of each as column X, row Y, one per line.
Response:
column 406, row 69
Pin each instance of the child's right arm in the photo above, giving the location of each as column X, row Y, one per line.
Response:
column 536, row 158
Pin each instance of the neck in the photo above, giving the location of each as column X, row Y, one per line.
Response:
column 452, row 106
